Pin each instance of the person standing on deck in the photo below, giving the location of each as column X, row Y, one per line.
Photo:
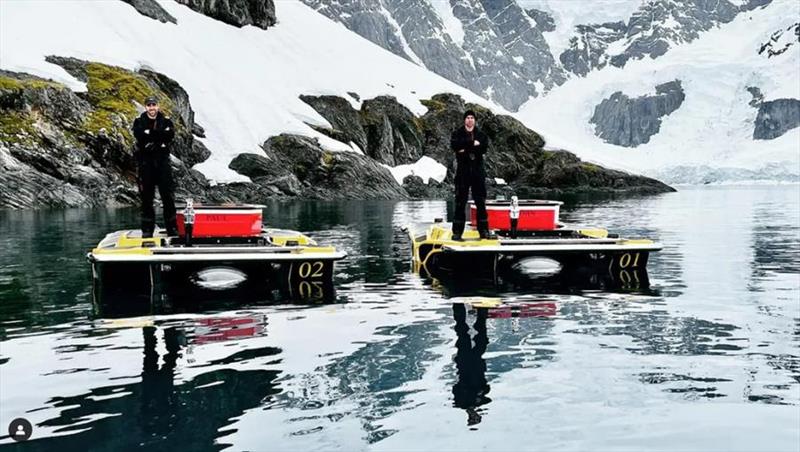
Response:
column 154, row 133
column 470, row 144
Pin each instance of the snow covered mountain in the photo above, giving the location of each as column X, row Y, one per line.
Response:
column 667, row 87
column 725, row 107
column 511, row 50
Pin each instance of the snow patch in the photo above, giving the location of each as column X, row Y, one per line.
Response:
column 567, row 14
column 426, row 168
column 452, row 25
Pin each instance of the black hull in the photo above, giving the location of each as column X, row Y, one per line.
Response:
column 290, row 280
column 614, row 271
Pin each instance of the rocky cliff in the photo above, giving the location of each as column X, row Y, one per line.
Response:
column 64, row 148
column 629, row 122
column 516, row 155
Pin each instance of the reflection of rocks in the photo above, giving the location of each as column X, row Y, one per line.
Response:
column 692, row 387
column 370, row 381
column 657, row 333
column 775, row 244
column 629, row 122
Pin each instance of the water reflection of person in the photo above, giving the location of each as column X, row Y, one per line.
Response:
column 471, row 388
column 159, row 399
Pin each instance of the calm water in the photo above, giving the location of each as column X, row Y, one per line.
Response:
column 707, row 360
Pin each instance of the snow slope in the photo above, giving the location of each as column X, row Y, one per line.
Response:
column 713, row 127
column 567, row 14
column 243, row 83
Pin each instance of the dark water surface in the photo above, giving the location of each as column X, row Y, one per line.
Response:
column 709, row 359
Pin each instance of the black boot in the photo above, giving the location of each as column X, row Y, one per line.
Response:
column 483, row 229
column 458, row 230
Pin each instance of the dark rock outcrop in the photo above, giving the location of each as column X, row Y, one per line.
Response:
column 781, row 41
column 294, row 165
column 67, row 149
column 543, row 20
column 384, row 129
column 758, row 97
column 629, row 122
column 151, row 9
column 259, row 13
column 588, row 50
column 776, row 117
column 515, row 154
column 345, row 120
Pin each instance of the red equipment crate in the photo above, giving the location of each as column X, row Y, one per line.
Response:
column 223, row 221
column 534, row 214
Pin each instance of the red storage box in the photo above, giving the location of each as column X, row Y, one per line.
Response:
column 534, row 214
column 223, row 221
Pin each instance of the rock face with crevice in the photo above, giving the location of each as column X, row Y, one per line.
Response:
column 501, row 53
column 259, row 13
column 297, row 166
column 629, row 122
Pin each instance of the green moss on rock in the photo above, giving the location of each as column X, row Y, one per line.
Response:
column 590, row 167
column 17, row 127
column 112, row 92
column 433, row 105
column 12, row 84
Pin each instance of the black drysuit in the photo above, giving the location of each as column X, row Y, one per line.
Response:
column 470, row 174
column 153, row 141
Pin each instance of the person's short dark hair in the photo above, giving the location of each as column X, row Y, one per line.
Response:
column 470, row 113
column 151, row 100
